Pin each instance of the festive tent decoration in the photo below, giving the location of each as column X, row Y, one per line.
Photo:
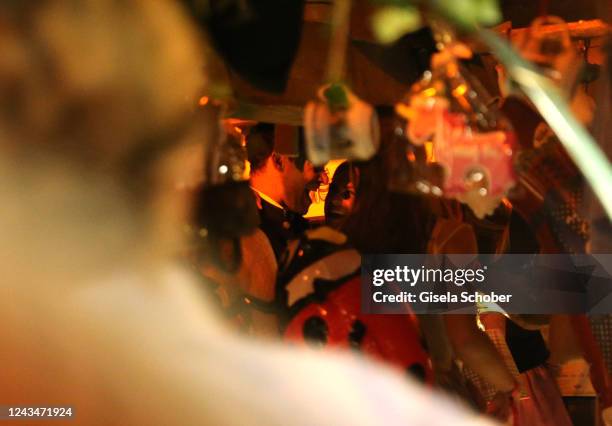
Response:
column 339, row 124
column 456, row 145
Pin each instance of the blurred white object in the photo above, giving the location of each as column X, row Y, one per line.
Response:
column 348, row 132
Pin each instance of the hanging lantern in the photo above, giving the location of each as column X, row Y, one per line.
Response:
column 340, row 125
column 454, row 144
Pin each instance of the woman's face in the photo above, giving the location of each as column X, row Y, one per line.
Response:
column 341, row 196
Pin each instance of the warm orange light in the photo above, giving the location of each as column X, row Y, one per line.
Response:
column 452, row 69
column 203, row 100
column 460, row 90
column 429, row 152
column 404, row 111
column 247, row 170
column 429, row 92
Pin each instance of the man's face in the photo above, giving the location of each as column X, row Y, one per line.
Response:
column 298, row 184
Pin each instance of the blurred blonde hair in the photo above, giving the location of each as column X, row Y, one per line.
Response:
column 90, row 93
column 95, row 80
column 85, row 86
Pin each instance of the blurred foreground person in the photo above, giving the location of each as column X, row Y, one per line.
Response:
column 93, row 312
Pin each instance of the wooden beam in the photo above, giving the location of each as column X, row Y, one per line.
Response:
column 577, row 30
column 281, row 114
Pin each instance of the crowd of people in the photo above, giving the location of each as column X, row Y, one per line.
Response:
column 253, row 315
column 305, row 264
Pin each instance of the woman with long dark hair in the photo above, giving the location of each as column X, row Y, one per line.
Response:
column 390, row 222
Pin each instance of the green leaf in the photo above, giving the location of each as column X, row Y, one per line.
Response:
column 468, row 14
column 489, row 13
column 397, row 3
column 336, row 97
column 390, row 23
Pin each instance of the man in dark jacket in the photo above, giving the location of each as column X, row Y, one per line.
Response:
column 282, row 180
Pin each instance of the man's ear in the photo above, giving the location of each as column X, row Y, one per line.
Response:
column 277, row 160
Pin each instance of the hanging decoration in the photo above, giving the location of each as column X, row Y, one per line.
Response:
column 553, row 106
column 338, row 124
column 547, row 44
column 455, row 144
column 525, row 77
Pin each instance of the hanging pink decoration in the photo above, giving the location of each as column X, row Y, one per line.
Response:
column 456, row 144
